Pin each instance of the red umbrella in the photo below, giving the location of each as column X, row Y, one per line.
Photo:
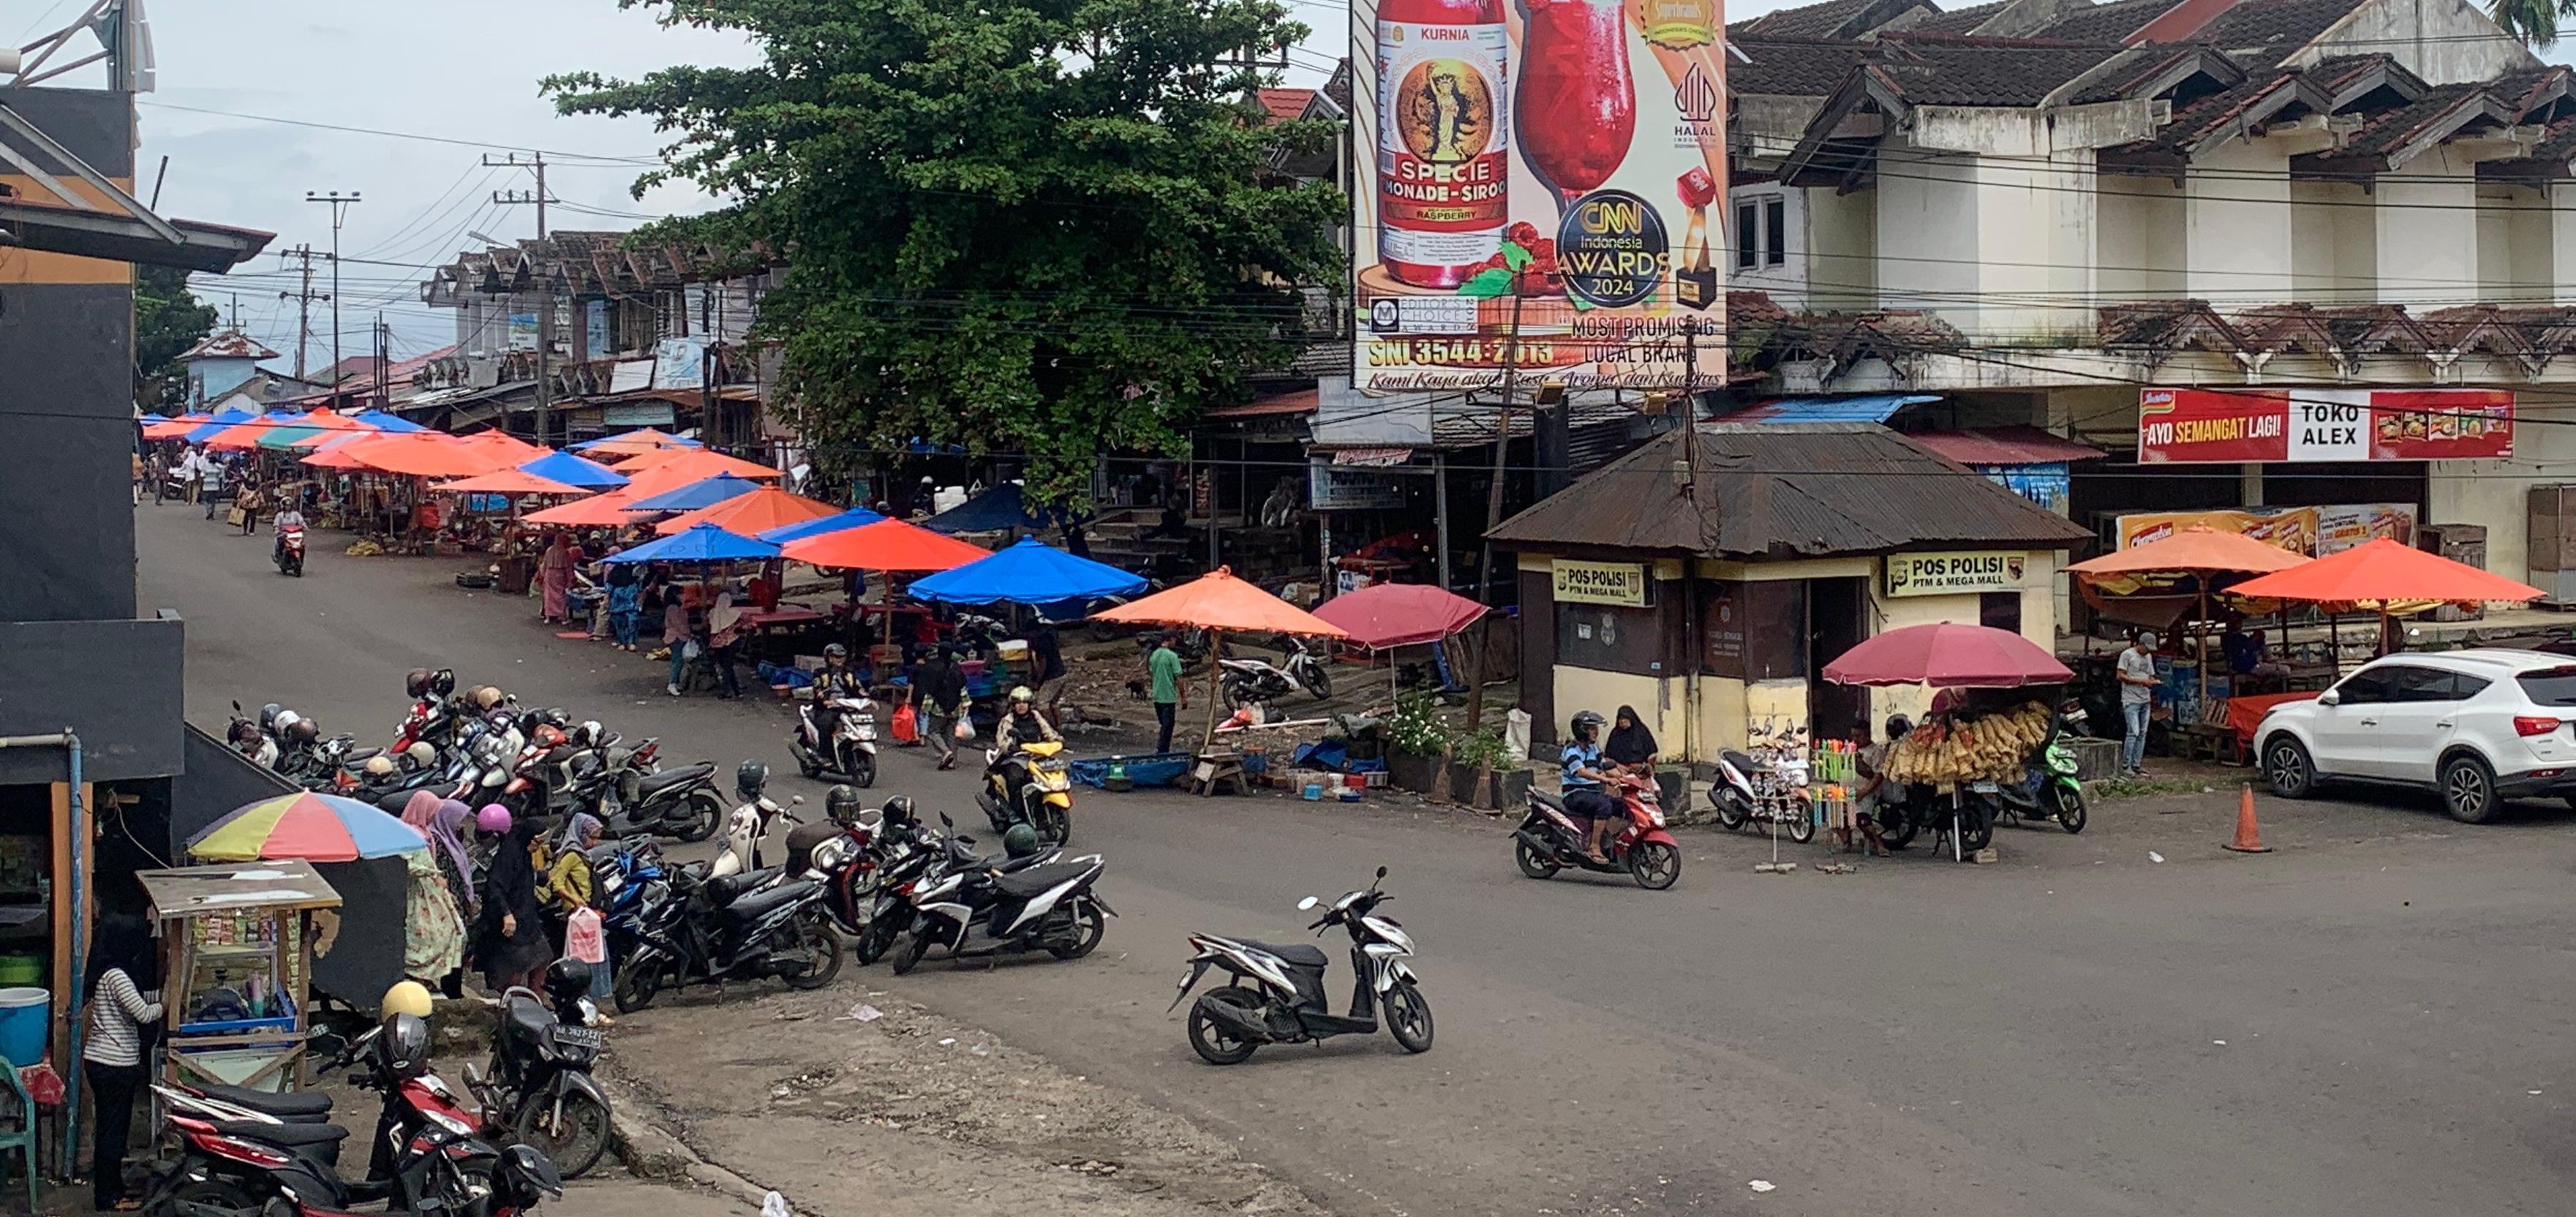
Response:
column 2381, row 573
column 885, row 545
column 1399, row 614
column 1947, row 655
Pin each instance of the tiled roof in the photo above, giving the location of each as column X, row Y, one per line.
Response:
column 2273, row 30
column 228, row 344
column 2211, row 115
column 2104, row 22
column 2388, row 131
column 1285, row 104
column 1834, row 19
column 1791, row 69
column 1959, row 21
column 1984, row 72
column 2132, row 69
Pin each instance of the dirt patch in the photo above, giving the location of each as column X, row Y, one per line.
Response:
column 910, row 1113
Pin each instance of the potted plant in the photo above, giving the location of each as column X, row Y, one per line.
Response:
column 1473, row 766
column 1417, row 741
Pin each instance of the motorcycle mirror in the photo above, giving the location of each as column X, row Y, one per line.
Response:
column 796, row 800
column 1308, row 904
column 1381, row 872
column 945, row 822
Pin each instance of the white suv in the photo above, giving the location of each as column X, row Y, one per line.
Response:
column 2480, row 726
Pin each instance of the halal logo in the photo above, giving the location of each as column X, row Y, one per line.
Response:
column 1696, row 98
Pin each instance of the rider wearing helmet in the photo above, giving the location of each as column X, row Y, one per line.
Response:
column 835, row 680
column 1021, row 725
column 1584, row 774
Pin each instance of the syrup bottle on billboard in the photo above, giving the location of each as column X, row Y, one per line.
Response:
column 1443, row 156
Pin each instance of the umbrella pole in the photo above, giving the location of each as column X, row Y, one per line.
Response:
column 1216, row 646
column 2200, row 641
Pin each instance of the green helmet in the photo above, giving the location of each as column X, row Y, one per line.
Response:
column 1020, row 841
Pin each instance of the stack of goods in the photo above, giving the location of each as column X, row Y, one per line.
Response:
column 1994, row 748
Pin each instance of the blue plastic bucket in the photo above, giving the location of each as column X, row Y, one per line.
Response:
column 22, row 1025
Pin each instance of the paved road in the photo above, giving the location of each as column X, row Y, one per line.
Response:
column 2352, row 1025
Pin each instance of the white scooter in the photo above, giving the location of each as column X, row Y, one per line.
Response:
column 750, row 825
column 1248, row 682
column 852, row 750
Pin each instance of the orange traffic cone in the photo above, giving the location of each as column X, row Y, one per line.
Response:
column 2249, row 838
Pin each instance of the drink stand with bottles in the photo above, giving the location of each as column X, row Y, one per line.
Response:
column 238, row 941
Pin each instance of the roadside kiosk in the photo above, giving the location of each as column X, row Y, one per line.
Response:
column 238, row 941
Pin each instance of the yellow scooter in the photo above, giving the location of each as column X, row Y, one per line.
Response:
column 1035, row 787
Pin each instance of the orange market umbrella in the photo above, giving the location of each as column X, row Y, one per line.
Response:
column 508, row 481
column 682, row 466
column 2195, row 551
column 334, row 453
column 2384, row 575
column 177, row 427
column 244, row 436
column 502, row 443
column 646, row 440
column 885, row 545
column 598, row 511
column 754, row 513
column 423, row 454
column 1218, row 601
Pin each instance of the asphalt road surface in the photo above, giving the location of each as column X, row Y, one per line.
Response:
column 2369, row 1021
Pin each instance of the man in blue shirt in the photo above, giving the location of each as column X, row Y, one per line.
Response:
column 1581, row 783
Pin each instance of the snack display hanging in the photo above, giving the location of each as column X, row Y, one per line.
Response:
column 1994, row 747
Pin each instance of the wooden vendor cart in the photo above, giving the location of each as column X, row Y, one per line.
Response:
column 238, row 941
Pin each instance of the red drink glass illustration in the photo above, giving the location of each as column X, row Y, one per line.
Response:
column 1577, row 107
column 1443, row 159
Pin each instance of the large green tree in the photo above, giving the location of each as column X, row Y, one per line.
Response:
column 1032, row 226
column 167, row 321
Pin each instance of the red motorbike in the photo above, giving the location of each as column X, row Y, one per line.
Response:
column 1550, row 838
column 290, row 550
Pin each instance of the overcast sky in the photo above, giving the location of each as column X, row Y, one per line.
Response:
column 458, row 70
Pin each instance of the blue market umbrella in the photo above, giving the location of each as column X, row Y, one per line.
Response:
column 852, row 518
column 1030, row 572
column 391, row 424
column 148, row 419
column 699, row 543
column 574, row 470
column 998, row 508
column 219, row 424
column 698, row 494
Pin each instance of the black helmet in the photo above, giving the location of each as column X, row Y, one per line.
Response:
column 1897, row 726
column 841, row 804
column 403, row 1048
column 416, row 685
column 897, row 810
column 443, row 682
column 1586, row 721
column 1020, row 841
column 749, row 778
column 268, row 715
column 568, row 980
column 836, row 651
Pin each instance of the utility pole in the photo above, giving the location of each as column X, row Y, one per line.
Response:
column 384, row 362
column 303, row 298
column 1502, row 442
column 340, row 204
column 545, row 305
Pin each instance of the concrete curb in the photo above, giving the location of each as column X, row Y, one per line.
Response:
column 653, row 1152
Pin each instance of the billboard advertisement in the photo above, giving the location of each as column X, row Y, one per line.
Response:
column 2185, row 426
column 2314, row 531
column 1554, row 168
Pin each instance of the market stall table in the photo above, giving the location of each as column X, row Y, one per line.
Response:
column 1216, row 602
column 2246, row 713
column 238, row 945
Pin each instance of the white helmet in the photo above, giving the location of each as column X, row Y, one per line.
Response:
column 380, row 766
column 421, row 753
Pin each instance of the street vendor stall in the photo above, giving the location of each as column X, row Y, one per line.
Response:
column 2388, row 578
column 239, row 943
column 357, row 849
column 1384, row 616
column 1959, row 749
column 886, row 547
column 1218, row 602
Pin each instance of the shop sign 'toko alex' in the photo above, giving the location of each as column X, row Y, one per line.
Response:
column 1945, row 574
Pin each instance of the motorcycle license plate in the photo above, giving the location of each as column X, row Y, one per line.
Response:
column 587, row 1037
column 1983, row 787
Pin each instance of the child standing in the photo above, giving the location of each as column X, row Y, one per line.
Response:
column 586, row 941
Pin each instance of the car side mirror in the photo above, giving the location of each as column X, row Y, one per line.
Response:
column 1308, row 904
column 2329, row 698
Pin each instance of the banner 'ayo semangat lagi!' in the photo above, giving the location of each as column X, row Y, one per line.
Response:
column 1555, row 166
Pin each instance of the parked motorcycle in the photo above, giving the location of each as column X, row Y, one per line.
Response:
column 1247, row 682
column 850, row 752
column 976, row 910
column 911, row 857
column 539, row 1086
column 1037, row 790
column 1284, row 1002
column 682, row 802
column 1550, row 839
column 2049, row 788
column 289, row 554
column 248, row 738
column 685, row 929
column 1769, row 785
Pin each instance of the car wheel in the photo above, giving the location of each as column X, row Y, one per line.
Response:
column 2468, row 789
column 2287, row 769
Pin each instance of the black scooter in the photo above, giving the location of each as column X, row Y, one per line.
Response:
column 682, row 802
column 1284, row 1002
column 540, row 1081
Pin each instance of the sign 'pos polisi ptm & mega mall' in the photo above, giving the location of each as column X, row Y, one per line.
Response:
column 1551, row 168
column 2228, row 426
column 1953, row 573
column 1622, row 583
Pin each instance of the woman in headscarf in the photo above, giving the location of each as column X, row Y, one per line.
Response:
column 625, row 604
column 1630, row 746
column 433, row 922
column 448, row 824
column 568, row 878
column 121, row 975
column 510, row 931
column 554, row 577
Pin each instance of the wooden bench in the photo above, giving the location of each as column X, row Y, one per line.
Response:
column 2211, row 736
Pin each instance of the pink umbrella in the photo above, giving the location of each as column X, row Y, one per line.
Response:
column 1400, row 614
column 1947, row 655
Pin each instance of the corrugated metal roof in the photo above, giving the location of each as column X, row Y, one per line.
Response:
column 1874, row 408
column 1786, row 490
column 2004, row 446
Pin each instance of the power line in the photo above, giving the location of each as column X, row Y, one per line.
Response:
column 502, row 145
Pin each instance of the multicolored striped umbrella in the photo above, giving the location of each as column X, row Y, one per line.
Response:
column 314, row 827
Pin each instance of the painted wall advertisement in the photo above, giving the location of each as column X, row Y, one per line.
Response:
column 1558, row 161
column 2314, row 531
column 2235, row 425
column 1952, row 574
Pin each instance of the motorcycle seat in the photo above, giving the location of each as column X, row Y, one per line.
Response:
column 761, row 904
column 1742, row 762
column 1036, row 879
column 654, row 783
column 299, row 1103
column 362, row 756
column 1547, row 799
column 527, row 1015
column 1297, row 954
column 730, row 888
column 284, row 1136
